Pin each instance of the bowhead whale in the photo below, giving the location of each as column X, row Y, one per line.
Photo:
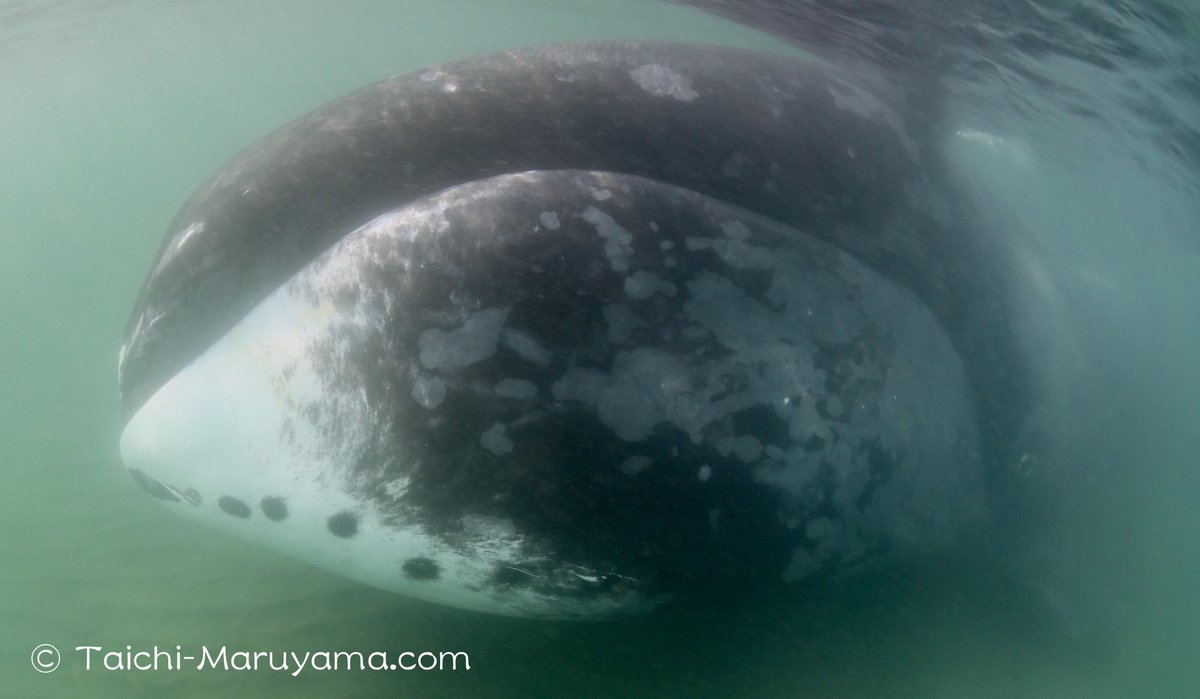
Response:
column 576, row 330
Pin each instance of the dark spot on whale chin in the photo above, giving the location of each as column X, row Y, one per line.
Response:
column 274, row 507
column 343, row 524
column 421, row 568
column 153, row 486
column 233, row 506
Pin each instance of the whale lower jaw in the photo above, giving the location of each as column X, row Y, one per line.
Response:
column 572, row 394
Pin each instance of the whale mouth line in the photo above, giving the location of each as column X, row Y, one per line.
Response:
column 155, row 487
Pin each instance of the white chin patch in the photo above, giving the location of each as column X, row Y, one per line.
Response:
column 247, row 439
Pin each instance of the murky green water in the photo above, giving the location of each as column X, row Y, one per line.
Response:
column 111, row 113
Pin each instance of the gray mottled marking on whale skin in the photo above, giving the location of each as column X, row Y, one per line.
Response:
column 428, row 391
column 661, row 81
column 647, row 387
column 641, row 285
column 488, row 527
column 746, row 447
column 474, row 341
column 802, row 565
column 527, row 347
column 635, row 464
column 734, row 253
column 516, row 388
column 616, row 238
column 496, row 440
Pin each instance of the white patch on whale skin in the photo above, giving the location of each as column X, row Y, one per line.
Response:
column 855, row 100
column 802, row 565
column 527, row 348
column 495, row 440
column 734, row 252
column 429, row 392
column 473, row 342
column 488, row 527
column 747, row 448
column 515, row 388
column 641, row 285
column 647, row 387
column 662, row 81
column 549, row 219
column 616, row 239
column 735, row 229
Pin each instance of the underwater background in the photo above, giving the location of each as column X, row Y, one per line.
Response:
column 1078, row 123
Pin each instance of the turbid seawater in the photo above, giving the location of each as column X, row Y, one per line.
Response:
column 1074, row 123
